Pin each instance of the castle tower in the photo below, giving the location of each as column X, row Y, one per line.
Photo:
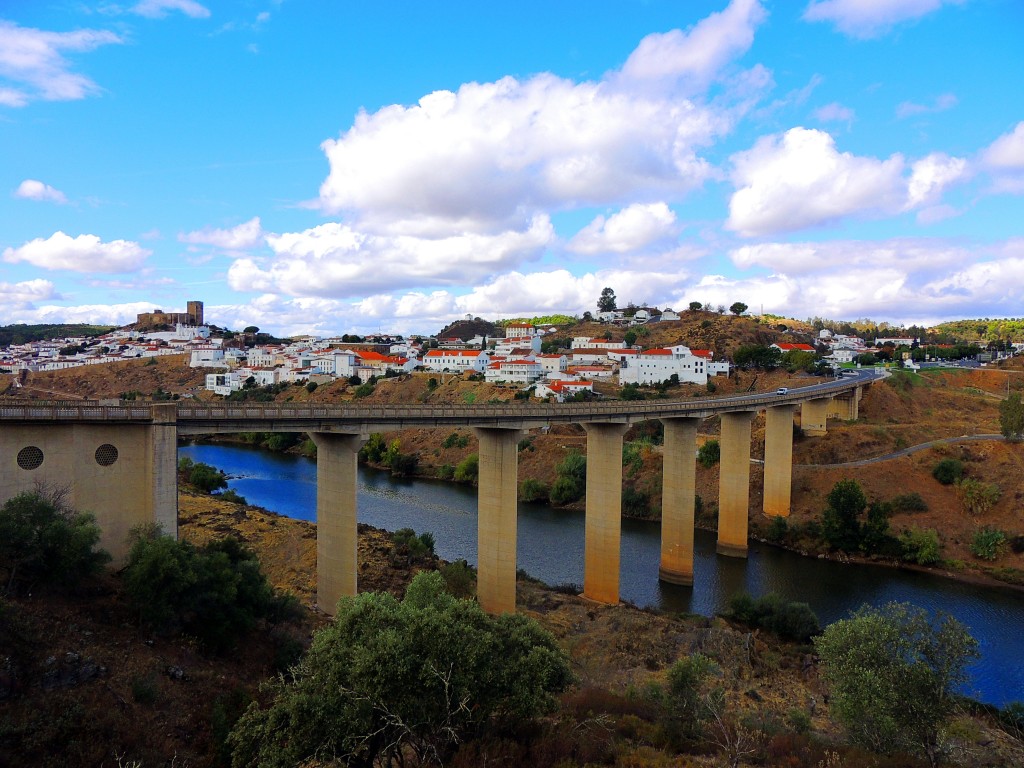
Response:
column 194, row 309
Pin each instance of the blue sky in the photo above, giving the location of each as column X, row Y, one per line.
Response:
column 315, row 166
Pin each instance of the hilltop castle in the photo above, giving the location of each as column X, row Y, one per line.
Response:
column 193, row 315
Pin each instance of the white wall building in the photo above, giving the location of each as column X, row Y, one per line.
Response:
column 653, row 366
column 457, row 360
column 514, row 371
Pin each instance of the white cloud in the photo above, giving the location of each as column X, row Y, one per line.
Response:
column 1004, row 159
column 930, row 175
column 31, row 189
column 833, row 113
column 336, row 260
column 23, row 295
column 631, row 229
column 32, row 63
column 799, row 180
column 157, row 9
column 696, row 56
column 904, row 280
column 942, row 103
column 99, row 314
column 85, row 253
column 870, row 18
column 246, row 235
column 1006, row 152
column 494, row 154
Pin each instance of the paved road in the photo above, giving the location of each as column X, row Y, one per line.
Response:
column 906, row 451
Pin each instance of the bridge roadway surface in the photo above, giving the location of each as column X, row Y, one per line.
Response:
column 205, row 418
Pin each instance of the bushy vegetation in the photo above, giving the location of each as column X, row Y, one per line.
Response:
column 44, row 541
column 201, row 476
column 455, row 440
column 250, row 392
column 988, row 543
column 635, row 502
column 948, row 471
column 709, row 454
column 846, row 526
column 417, row 548
column 468, row 469
column 908, row 502
column 396, row 682
column 892, row 673
column 977, row 497
column 789, row 620
column 215, row 593
column 571, row 482
column 1011, row 417
column 531, row 489
column 921, row 546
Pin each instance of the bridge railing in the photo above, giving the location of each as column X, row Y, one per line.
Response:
column 487, row 412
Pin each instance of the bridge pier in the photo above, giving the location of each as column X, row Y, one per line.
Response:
column 337, row 537
column 734, row 483
column 778, row 460
column 125, row 474
column 496, row 520
column 846, row 406
column 678, row 496
column 814, row 416
column 603, row 526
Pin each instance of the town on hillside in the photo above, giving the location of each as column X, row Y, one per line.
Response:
column 537, row 358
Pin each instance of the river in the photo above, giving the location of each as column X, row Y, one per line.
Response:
column 550, row 548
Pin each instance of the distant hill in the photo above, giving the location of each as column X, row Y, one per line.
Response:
column 998, row 329
column 21, row 333
column 468, row 329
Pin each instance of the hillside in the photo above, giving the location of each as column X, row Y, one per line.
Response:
column 22, row 334
column 103, row 692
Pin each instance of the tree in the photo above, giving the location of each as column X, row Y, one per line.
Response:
column 738, row 308
column 390, row 681
column 695, row 306
column 1011, row 417
column 630, row 338
column 251, row 329
column 606, row 301
column 840, row 522
column 43, row 540
column 892, row 674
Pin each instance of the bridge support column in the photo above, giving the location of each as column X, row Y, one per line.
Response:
column 778, row 460
column 496, row 521
column 734, row 484
column 846, row 406
column 814, row 416
column 603, row 527
column 678, row 495
column 336, row 535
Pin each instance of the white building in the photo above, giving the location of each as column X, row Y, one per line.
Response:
column 458, row 360
column 224, row 383
column 207, row 357
column 514, row 371
column 560, row 389
column 553, row 363
column 653, row 366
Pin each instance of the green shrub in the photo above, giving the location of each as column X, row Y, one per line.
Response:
column 635, row 503
column 281, row 441
column 373, row 450
column 977, row 497
column 418, row 548
column 459, row 579
column 446, row 471
column 789, row 620
column 214, row 593
column 948, row 471
column 468, row 469
column 144, row 689
column 364, row 390
column 566, row 490
column 232, row 496
column 203, row 477
column 988, row 543
column 44, row 541
column 392, row 682
column 709, row 454
column 778, row 530
column 921, row 546
column 531, row 489
column 311, row 387
column 908, row 502
column 455, row 440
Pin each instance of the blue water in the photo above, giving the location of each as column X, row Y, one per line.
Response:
column 550, row 548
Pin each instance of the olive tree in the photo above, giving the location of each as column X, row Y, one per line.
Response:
column 403, row 681
column 1011, row 417
column 893, row 673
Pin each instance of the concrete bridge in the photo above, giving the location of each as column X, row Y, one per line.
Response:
column 120, row 462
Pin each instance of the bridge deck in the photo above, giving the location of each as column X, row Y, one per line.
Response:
column 203, row 418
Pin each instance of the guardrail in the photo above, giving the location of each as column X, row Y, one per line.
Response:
column 194, row 413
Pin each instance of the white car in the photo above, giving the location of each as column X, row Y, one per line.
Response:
column 782, row 391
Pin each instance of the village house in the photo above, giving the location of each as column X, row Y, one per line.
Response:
column 653, row 366
column 456, row 360
column 561, row 389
